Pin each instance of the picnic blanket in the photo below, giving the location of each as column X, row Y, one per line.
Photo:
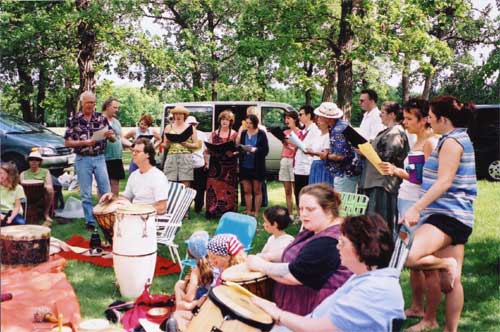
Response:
column 164, row 266
column 43, row 285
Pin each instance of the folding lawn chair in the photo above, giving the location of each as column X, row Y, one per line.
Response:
column 353, row 204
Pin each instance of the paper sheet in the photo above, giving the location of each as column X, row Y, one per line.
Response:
column 296, row 141
column 372, row 156
column 99, row 135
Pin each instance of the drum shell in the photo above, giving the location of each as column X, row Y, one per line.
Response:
column 256, row 282
column 24, row 245
column 107, row 222
column 35, row 199
column 134, row 251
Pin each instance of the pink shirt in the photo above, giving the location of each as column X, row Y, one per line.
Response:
column 289, row 149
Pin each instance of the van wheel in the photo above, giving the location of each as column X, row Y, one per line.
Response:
column 17, row 159
column 494, row 170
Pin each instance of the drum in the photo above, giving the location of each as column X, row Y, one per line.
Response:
column 105, row 214
column 256, row 282
column 229, row 309
column 134, row 248
column 35, row 198
column 24, row 244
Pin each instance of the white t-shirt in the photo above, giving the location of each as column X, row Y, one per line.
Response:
column 303, row 161
column 323, row 143
column 147, row 188
column 276, row 245
column 371, row 124
column 198, row 160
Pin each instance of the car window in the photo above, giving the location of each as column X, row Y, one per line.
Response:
column 273, row 116
column 202, row 113
column 12, row 124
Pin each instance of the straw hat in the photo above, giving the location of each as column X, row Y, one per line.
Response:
column 329, row 110
column 35, row 155
column 179, row 109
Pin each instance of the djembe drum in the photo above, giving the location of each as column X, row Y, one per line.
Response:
column 256, row 282
column 134, row 248
column 35, row 197
column 105, row 214
column 24, row 244
column 229, row 309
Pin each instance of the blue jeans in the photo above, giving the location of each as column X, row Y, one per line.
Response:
column 18, row 220
column 346, row 184
column 85, row 167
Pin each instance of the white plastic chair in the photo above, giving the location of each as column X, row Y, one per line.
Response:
column 168, row 223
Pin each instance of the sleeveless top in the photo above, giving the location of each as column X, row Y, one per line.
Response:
column 177, row 148
column 114, row 150
column 301, row 299
column 457, row 201
column 40, row 175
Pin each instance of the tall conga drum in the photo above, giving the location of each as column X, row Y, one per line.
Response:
column 105, row 214
column 134, row 248
column 256, row 282
column 35, row 197
column 229, row 309
column 24, row 245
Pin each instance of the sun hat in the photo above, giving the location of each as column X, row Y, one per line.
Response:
column 179, row 109
column 224, row 245
column 191, row 120
column 35, row 155
column 197, row 244
column 329, row 110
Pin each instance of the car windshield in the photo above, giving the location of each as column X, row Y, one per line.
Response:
column 14, row 125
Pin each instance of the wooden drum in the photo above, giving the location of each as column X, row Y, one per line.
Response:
column 105, row 214
column 24, row 244
column 35, row 197
column 229, row 309
column 256, row 282
column 134, row 248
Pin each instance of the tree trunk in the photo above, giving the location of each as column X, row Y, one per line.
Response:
column 426, row 93
column 86, row 51
column 261, row 78
column 71, row 101
column 25, row 92
column 214, row 73
column 308, row 67
column 197, row 88
column 42, row 89
column 331, row 81
column 344, row 47
column 405, row 79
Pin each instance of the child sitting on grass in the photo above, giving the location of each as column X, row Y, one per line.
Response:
column 224, row 251
column 11, row 194
column 276, row 219
column 198, row 281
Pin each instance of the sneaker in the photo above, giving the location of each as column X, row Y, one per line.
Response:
column 90, row 227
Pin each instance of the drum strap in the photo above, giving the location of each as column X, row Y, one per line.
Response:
column 143, row 255
column 229, row 314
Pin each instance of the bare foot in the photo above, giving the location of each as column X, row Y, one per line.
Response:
column 423, row 325
column 414, row 312
column 449, row 275
column 48, row 218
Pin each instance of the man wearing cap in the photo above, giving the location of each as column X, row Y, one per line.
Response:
column 35, row 172
column 199, row 166
column 179, row 162
column 87, row 133
column 342, row 160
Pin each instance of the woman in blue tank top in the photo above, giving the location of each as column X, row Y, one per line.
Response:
column 449, row 188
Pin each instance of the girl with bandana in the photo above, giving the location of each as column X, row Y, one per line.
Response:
column 224, row 251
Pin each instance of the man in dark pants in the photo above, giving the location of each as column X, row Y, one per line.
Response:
column 200, row 168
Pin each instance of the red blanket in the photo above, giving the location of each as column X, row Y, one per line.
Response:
column 43, row 285
column 164, row 266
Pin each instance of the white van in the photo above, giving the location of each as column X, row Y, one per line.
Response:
column 271, row 115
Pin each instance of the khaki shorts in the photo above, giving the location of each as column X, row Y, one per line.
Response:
column 286, row 170
column 179, row 167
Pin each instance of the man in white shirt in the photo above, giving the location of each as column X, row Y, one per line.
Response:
column 303, row 161
column 371, row 124
column 147, row 185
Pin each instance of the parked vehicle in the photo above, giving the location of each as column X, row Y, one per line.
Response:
column 485, row 135
column 271, row 115
column 18, row 138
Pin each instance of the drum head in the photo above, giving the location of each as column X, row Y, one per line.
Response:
column 236, row 303
column 240, row 273
column 25, row 232
column 111, row 206
column 136, row 209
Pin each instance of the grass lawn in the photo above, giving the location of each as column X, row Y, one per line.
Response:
column 95, row 286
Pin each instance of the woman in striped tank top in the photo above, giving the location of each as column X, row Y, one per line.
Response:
column 449, row 187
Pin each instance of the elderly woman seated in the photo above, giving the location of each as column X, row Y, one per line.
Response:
column 369, row 300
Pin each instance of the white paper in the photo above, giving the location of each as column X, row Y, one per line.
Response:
column 99, row 135
column 296, row 141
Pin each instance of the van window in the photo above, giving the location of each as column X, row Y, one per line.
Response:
column 273, row 116
column 202, row 113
